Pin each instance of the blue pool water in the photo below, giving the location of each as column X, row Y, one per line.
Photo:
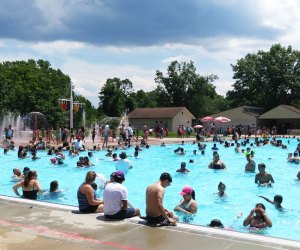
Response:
column 241, row 190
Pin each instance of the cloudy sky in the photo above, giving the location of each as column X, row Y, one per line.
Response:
column 92, row 40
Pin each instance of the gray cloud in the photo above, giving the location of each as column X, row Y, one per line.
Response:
column 130, row 22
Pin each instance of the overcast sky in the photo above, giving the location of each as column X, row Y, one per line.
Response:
column 92, row 40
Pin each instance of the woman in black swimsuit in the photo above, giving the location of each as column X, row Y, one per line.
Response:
column 30, row 186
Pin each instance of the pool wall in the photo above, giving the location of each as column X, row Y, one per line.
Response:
column 205, row 233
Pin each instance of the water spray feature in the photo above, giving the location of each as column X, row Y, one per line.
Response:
column 36, row 121
column 15, row 121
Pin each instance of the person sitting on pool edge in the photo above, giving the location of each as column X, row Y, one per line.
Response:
column 216, row 163
column 183, row 168
column 187, row 205
column 263, row 178
column 257, row 218
column 276, row 201
column 155, row 211
column 115, row 197
column 88, row 203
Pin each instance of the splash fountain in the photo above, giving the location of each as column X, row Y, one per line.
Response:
column 15, row 120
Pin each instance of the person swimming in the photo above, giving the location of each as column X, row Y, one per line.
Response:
column 277, row 200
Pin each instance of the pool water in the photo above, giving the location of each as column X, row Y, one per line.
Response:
column 241, row 190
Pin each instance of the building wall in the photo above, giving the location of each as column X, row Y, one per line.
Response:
column 182, row 118
column 139, row 123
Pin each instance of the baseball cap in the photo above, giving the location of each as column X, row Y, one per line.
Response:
column 186, row 190
column 120, row 174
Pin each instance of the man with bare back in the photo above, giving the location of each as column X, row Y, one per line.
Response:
column 155, row 211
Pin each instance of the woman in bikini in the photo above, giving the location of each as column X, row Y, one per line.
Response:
column 30, row 186
column 216, row 163
column 257, row 218
column 187, row 205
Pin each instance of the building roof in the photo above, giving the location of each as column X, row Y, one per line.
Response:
column 151, row 113
column 281, row 112
column 242, row 113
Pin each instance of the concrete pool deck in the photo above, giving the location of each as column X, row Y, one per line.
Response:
column 36, row 225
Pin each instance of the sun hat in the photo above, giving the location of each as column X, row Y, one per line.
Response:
column 186, row 190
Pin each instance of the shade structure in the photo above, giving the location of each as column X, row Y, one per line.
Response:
column 222, row 119
column 207, row 119
column 198, row 126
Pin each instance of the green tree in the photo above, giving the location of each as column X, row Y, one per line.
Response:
column 28, row 86
column 33, row 86
column 267, row 79
column 115, row 97
column 142, row 99
column 182, row 86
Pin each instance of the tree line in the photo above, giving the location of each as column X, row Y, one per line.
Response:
column 263, row 79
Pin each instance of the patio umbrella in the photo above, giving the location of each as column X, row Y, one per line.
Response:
column 222, row 119
column 198, row 126
column 207, row 119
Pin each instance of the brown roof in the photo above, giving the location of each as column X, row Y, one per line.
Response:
column 149, row 113
column 242, row 113
column 282, row 112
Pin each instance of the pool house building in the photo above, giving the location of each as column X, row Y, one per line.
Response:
column 169, row 117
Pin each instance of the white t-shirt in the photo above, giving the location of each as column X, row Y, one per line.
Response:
column 123, row 165
column 130, row 131
column 114, row 194
column 78, row 144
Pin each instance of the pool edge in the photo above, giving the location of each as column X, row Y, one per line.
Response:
column 181, row 227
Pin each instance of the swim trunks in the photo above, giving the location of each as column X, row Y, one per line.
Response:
column 122, row 214
column 157, row 219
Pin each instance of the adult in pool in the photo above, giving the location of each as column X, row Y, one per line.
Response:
column 263, row 178
column 250, row 166
column 30, row 186
column 183, row 168
column 187, row 205
column 257, row 218
column 216, row 162
column 17, row 175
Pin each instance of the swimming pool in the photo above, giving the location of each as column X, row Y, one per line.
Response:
column 241, row 190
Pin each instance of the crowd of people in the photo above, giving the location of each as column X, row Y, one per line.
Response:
column 115, row 203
